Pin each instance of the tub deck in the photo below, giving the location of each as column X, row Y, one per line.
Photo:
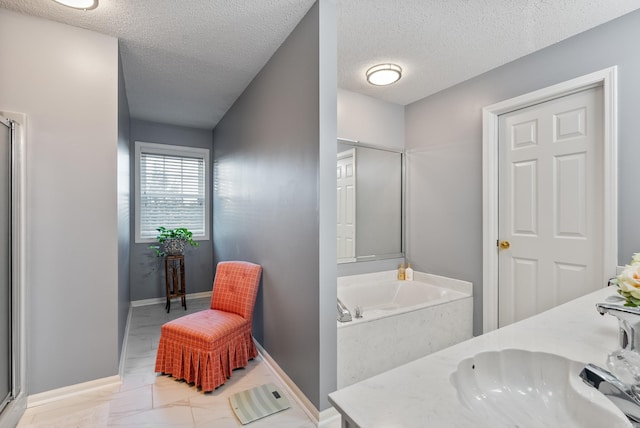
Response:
column 402, row 321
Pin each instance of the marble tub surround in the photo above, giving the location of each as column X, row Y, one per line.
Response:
column 420, row 393
column 445, row 282
column 383, row 338
column 146, row 400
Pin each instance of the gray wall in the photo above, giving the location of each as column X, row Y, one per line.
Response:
column 147, row 270
column 378, row 123
column 327, row 203
column 72, row 222
column 444, row 139
column 274, row 200
column 123, row 206
column 370, row 120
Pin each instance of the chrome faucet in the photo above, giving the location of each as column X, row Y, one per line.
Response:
column 624, row 396
column 628, row 321
column 343, row 313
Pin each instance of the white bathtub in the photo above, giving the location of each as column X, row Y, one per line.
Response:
column 389, row 297
column 402, row 321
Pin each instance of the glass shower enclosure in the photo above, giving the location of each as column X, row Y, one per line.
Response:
column 12, row 396
column 6, row 295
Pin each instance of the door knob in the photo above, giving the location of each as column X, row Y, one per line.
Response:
column 504, row 245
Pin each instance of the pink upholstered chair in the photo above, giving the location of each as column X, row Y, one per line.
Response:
column 204, row 347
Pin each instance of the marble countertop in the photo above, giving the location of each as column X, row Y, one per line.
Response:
column 419, row 394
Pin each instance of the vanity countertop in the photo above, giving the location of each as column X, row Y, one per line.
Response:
column 419, row 394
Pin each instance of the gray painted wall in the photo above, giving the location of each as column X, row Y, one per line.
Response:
column 72, row 222
column 378, row 123
column 369, row 120
column 123, row 206
column 444, row 139
column 327, row 203
column 274, row 193
column 147, row 270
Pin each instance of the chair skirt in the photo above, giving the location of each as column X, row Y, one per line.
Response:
column 203, row 348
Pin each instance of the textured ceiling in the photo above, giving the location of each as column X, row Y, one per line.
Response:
column 440, row 43
column 185, row 62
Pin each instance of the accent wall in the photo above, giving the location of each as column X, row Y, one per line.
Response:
column 275, row 200
column 444, row 145
column 65, row 80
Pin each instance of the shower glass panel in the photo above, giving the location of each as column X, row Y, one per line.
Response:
column 5, row 266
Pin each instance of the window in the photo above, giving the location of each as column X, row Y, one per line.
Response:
column 172, row 190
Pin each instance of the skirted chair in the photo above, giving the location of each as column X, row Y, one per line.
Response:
column 204, row 347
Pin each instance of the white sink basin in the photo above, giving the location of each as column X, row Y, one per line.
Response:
column 517, row 388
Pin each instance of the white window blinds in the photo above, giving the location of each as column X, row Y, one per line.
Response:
column 172, row 190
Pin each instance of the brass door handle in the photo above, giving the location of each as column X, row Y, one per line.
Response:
column 504, row 245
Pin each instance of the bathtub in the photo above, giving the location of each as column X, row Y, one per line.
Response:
column 401, row 321
column 391, row 297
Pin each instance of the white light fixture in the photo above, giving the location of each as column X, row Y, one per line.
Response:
column 79, row 4
column 384, row 74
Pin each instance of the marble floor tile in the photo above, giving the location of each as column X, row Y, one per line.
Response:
column 173, row 415
column 145, row 399
column 85, row 410
column 95, row 416
column 167, row 390
column 129, row 402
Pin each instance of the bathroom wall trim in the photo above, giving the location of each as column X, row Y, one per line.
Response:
column 322, row 418
column 72, row 390
column 296, row 392
column 156, row 300
column 607, row 78
column 125, row 343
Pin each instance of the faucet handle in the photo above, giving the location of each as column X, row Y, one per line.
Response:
column 358, row 311
column 613, row 309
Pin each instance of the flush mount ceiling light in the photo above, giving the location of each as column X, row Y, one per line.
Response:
column 384, row 74
column 79, row 4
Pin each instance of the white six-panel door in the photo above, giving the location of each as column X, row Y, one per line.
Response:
column 346, row 203
column 550, row 204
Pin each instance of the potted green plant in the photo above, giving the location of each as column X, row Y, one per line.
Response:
column 172, row 241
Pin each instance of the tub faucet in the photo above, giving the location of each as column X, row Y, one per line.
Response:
column 343, row 313
column 629, row 322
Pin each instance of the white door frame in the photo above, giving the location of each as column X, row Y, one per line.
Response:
column 607, row 78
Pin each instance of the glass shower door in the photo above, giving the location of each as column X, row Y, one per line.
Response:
column 6, row 368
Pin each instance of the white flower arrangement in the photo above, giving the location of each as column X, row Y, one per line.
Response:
column 629, row 282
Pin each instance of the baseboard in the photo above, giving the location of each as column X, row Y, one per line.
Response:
column 125, row 343
column 11, row 415
column 328, row 416
column 71, row 390
column 155, row 301
column 295, row 392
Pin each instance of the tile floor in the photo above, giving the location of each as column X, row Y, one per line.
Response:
column 146, row 400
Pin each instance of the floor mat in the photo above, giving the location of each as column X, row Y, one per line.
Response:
column 258, row 402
